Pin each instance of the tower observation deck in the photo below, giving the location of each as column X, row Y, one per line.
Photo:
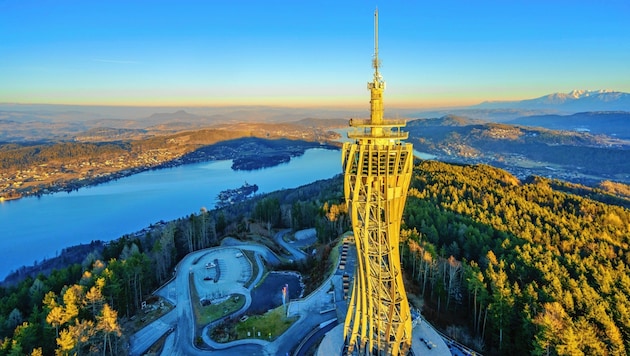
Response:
column 377, row 171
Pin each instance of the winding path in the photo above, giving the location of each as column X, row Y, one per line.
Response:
column 182, row 340
column 295, row 252
column 182, row 317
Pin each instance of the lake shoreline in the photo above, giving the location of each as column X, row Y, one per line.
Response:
column 243, row 160
column 45, row 263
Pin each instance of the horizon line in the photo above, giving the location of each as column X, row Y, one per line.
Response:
column 253, row 105
column 430, row 103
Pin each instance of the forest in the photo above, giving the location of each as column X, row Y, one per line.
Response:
column 527, row 267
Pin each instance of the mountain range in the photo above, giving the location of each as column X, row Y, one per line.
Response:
column 612, row 123
column 573, row 101
column 67, row 122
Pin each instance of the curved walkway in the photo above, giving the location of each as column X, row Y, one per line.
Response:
column 248, row 301
column 269, row 255
column 295, row 252
column 310, row 310
column 182, row 317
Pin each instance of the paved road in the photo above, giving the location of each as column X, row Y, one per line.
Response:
column 248, row 302
column 310, row 314
column 267, row 254
column 143, row 339
column 296, row 253
column 185, row 331
column 181, row 318
column 181, row 341
column 315, row 336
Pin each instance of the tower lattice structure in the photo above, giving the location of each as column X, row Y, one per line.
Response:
column 377, row 172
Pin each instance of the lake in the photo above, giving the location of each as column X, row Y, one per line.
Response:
column 36, row 228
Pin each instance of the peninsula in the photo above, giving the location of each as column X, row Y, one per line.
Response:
column 34, row 169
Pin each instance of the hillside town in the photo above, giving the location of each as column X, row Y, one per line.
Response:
column 70, row 175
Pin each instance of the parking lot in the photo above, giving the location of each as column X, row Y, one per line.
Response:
column 221, row 272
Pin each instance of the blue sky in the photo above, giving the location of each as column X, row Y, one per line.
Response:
column 307, row 53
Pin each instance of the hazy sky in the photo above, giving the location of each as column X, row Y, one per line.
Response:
column 295, row 53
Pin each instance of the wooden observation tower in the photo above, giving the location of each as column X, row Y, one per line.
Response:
column 377, row 170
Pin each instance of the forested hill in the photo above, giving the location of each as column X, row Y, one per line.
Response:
column 533, row 270
column 565, row 154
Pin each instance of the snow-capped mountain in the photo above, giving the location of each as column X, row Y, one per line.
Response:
column 573, row 101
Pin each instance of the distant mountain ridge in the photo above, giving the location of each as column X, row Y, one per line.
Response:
column 573, row 101
column 611, row 123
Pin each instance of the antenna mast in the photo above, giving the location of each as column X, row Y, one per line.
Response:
column 377, row 86
column 375, row 61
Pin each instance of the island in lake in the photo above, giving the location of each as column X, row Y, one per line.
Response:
column 230, row 196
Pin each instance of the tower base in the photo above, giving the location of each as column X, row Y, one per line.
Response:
column 424, row 336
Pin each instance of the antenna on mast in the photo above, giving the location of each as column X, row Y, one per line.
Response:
column 375, row 62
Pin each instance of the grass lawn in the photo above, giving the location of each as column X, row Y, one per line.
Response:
column 209, row 313
column 273, row 322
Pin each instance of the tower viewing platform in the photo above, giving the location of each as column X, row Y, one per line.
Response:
column 390, row 130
